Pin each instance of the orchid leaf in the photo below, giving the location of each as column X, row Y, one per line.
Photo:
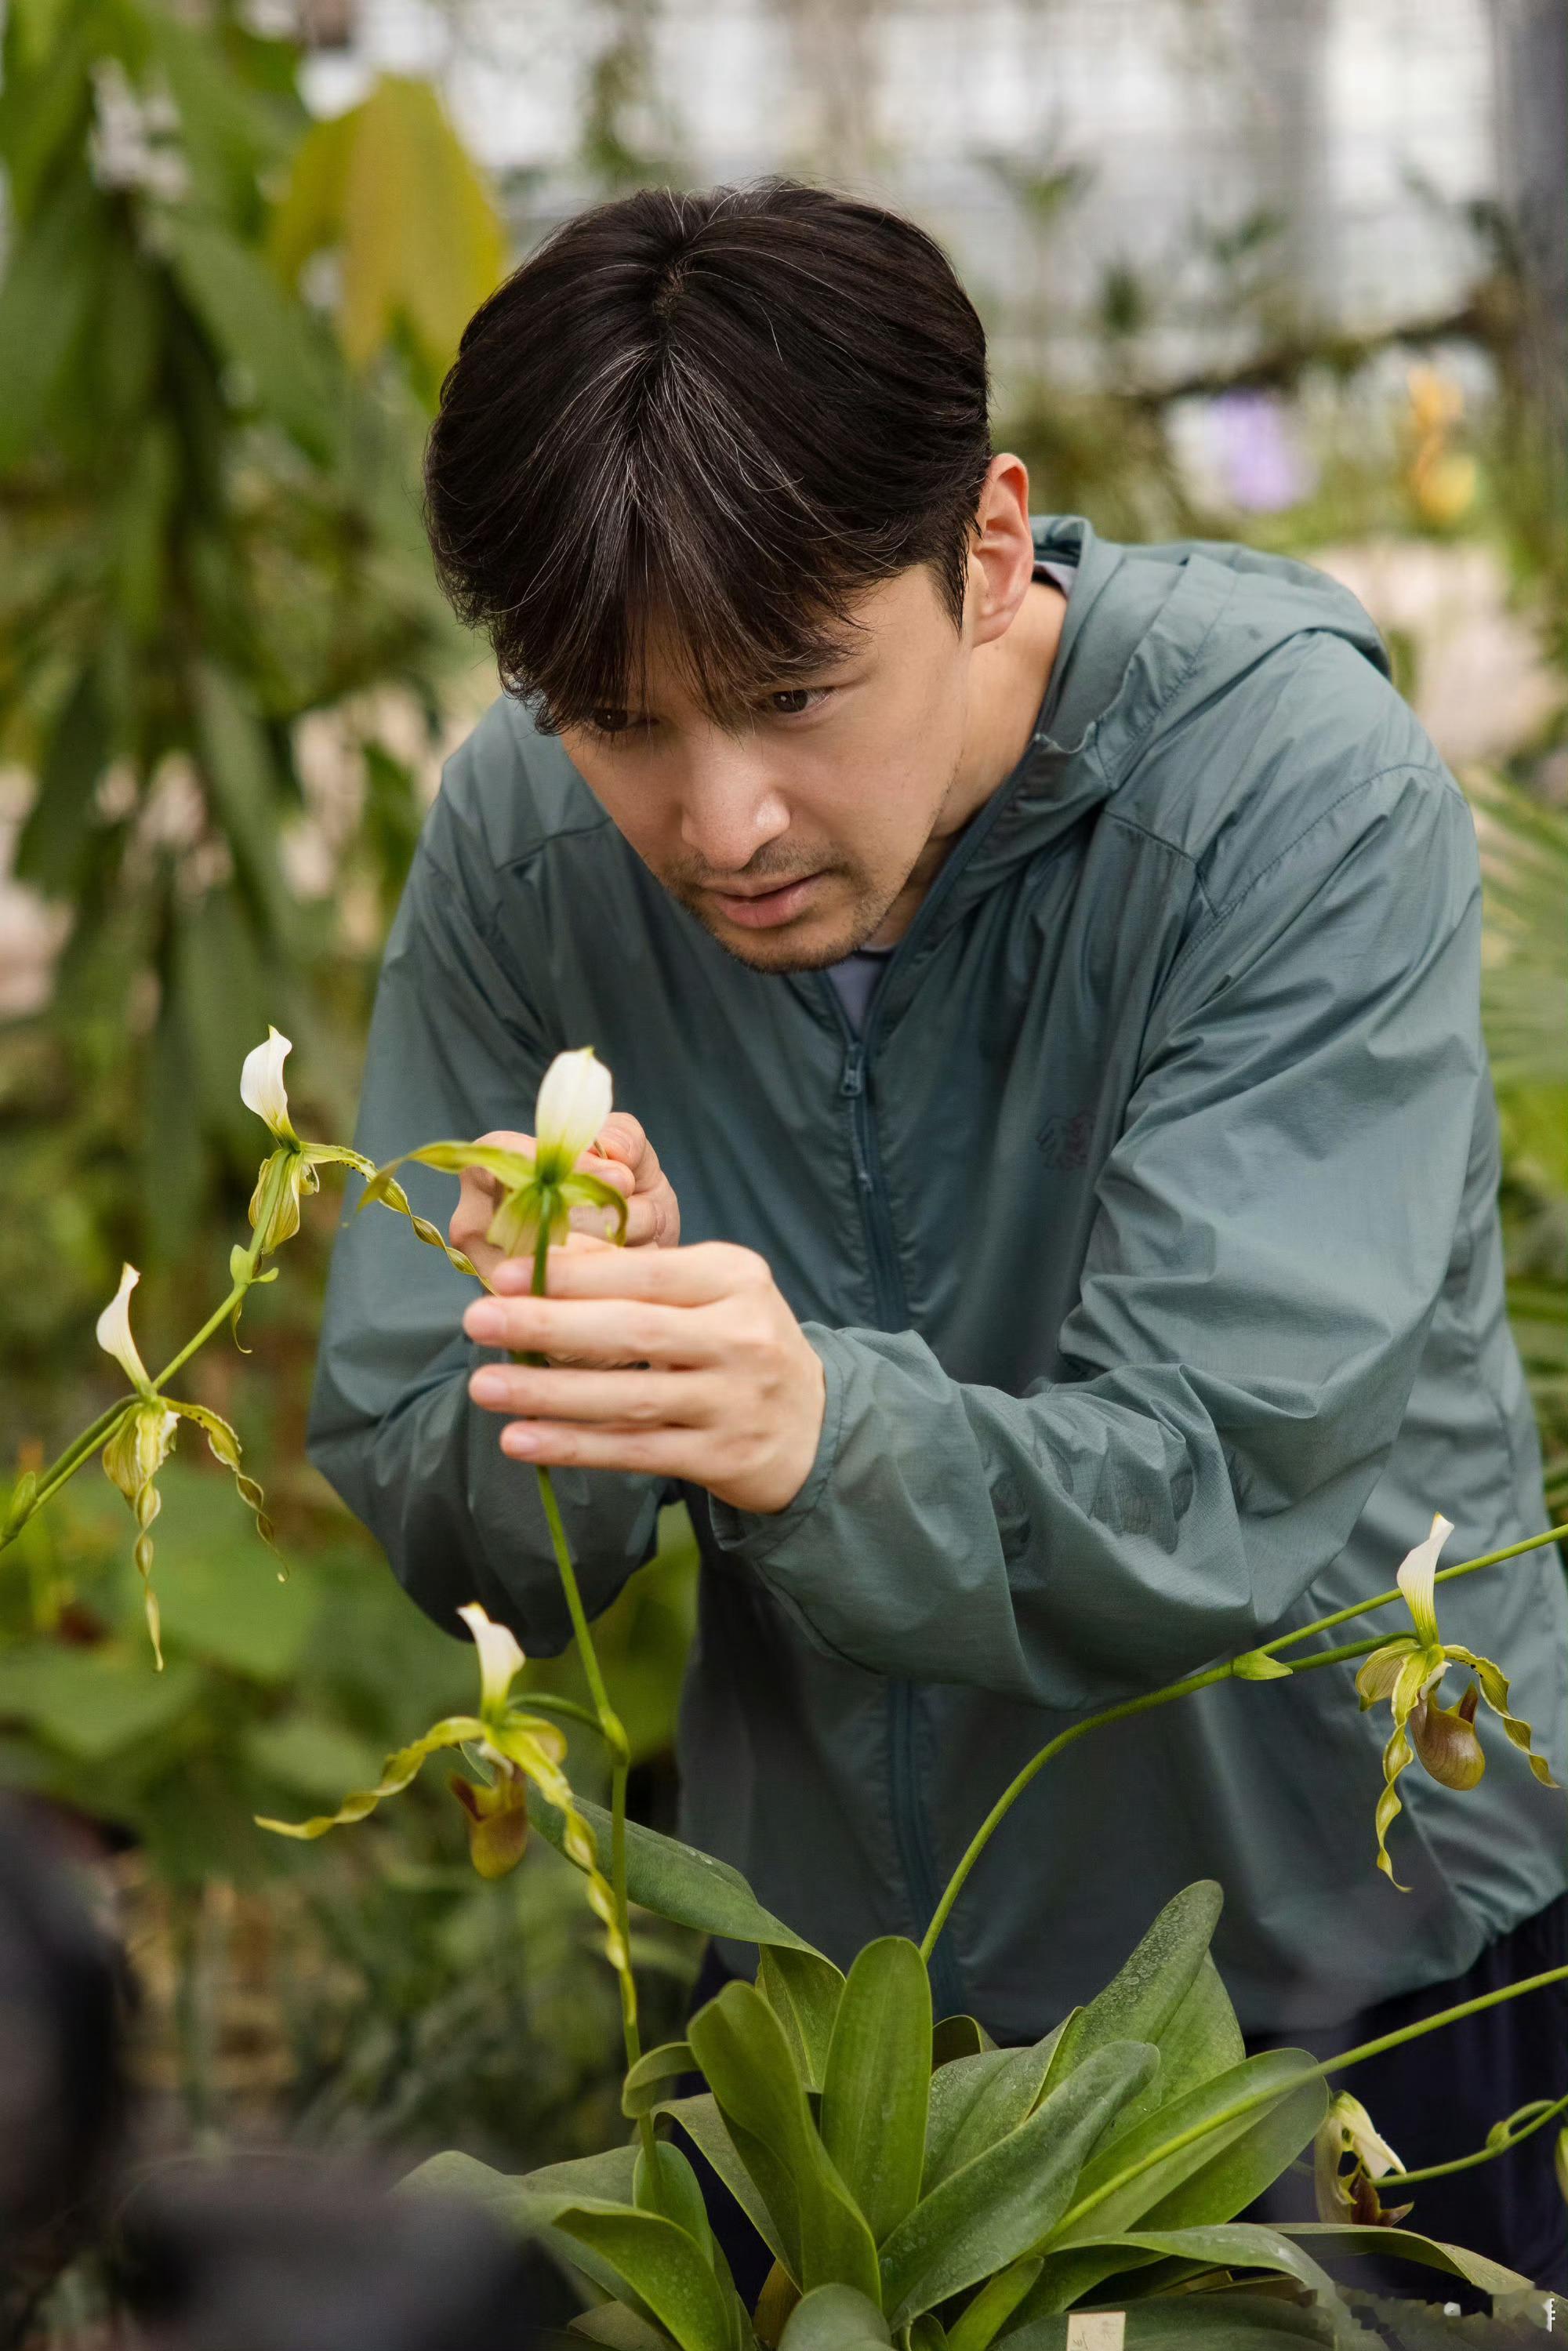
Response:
column 984, row 2317
column 1002, row 2206
column 878, row 2080
column 834, row 2318
column 1238, row 2245
column 804, row 1990
column 677, row 1881
column 976, row 2101
column 1143, row 1998
column 666, row 2270
column 741, row 2048
column 1408, row 2245
column 704, row 2125
column 648, row 2082
column 957, row 2036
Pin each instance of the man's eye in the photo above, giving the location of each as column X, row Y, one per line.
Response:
column 795, row 700
column 609, row 722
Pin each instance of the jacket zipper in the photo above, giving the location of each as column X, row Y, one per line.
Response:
column 911, row 1836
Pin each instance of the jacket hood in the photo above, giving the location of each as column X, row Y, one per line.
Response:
column 1151, row 634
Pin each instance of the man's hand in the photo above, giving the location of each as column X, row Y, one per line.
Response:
column 731, row 1394
column 621, row 1156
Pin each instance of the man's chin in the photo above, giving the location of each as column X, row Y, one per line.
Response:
column 812, row 943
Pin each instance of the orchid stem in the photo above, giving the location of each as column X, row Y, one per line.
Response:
column 1185, row 1689
column 1547, row 2110
column 614, row 1733
column 99, row 1431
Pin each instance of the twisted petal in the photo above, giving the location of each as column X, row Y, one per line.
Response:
column 573, row 1104
column 397, row 1772
column 1416, row 1580
column 1494, row 1689
column 136, row 1450
column 225, row 1446
column 1382, row 1670
column 452, row 1158
column 114, row 1333
column 500, row 1658
column 261, row 1086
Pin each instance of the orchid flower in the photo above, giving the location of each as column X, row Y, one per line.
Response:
column 1351, row 2195
column 143, row 1437
column 538, row 1194
column 1408, row 1672
column 290, row 1171
column 513, row 1745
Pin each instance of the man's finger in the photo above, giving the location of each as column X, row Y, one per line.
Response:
column 623, row 1399
column 596, row 1331
column 696, row 1276
column 646, row 1452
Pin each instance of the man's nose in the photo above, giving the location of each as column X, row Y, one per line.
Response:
column 730, row 806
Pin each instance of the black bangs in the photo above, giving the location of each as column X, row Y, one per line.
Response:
column 720, row 418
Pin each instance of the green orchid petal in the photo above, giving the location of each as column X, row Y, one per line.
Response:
column 136, row 1450
column 514, row 1228
column 583, row 1191
column 451, row 1157
column 1396, row 1755
column 397, row 1773
column 1382, row 1670
column 274, row 1209
column 224, row 1447
column 338, row 1155
column 1494, row 1689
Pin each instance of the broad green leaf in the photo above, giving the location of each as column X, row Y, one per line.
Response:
column 700, row 2118
column 878, row 2079
column 802, row 1989
column 741, row 2048
column 649, row 2082
column 53, row 838
column 674, row 2193
column 667, row 2271
column 957, row 2036
column 1218, row 2321
column 1143, row 1998
column 984, row 2318
column 94, row 1703
column 619, row 2328
column 1005, row 2203
column 833, row 2318
column 607, row 2177
column 1239, row 2245
column 975, row 2101
column 1202, row 2039
column 1408, row 2245
column 677, row 1882
column 927, row 2333
column 46, row 298
column 242, row 776
column 1205, row 2155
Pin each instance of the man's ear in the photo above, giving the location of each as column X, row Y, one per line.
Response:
column 1001, row 553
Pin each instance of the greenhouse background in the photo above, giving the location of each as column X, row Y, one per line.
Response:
column 1294, row 271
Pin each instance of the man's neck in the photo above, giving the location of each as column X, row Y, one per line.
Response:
column 1007, row 684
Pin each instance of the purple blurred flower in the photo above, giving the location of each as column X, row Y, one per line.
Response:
column 1257, row 452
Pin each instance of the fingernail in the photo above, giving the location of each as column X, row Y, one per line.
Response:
column 484, row 1319
column 489, row 1386
column 519, row 1439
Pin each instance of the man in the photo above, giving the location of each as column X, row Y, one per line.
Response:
column 1041, row 977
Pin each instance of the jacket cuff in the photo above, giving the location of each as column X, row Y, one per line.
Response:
column 758, row 1535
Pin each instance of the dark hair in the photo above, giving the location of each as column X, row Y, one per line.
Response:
column 733, row 410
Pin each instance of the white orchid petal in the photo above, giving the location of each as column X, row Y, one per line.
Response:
column 1417, row 1579
column 261, row 1086
column 1363, row 2138
column 114, row 1332
column 573, row 1104
column 500, row 1658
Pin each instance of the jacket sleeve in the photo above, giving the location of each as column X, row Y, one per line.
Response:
column 1271, row 1233
column 454, row 1051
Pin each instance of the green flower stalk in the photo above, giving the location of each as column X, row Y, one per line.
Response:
column 1408, row 1673
column 143, row 1435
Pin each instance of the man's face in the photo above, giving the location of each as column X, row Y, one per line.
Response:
column 790, row 830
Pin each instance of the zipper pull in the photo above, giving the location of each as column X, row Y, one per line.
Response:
column 853, row 1083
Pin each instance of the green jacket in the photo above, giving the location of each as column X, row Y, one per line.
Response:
column 1149, row 1239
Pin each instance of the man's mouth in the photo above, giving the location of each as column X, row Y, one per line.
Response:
column 761, row 910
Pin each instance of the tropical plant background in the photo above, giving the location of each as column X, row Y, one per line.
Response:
column 1270, row 269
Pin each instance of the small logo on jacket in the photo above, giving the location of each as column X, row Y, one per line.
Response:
column 1065, row 1138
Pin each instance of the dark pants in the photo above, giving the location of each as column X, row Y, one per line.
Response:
column 1436, row 2098
column 1431, row 2099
